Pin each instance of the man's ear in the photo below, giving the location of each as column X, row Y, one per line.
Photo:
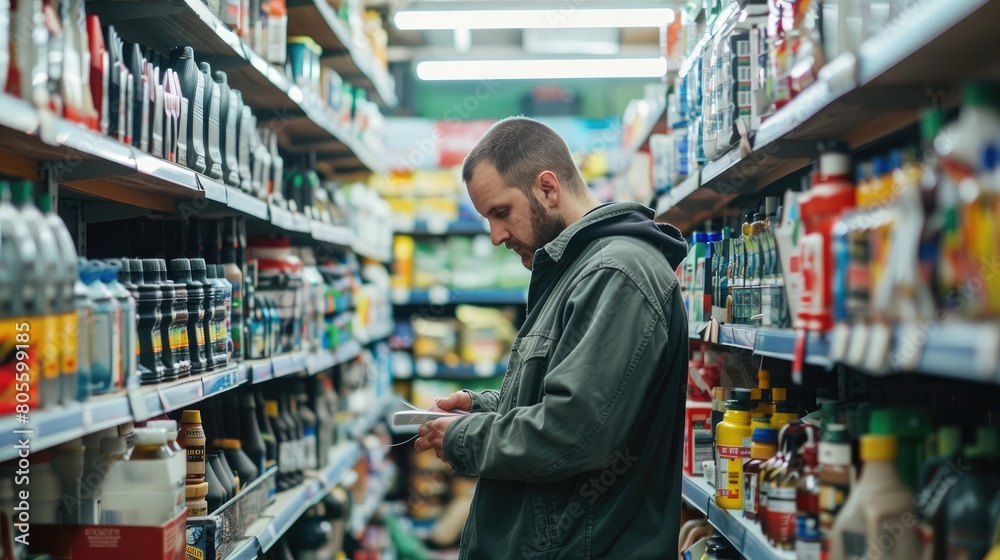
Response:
column 550, row 188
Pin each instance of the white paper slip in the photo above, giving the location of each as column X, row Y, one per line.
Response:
column 411, row 417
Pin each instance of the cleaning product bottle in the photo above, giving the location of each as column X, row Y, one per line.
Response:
column 832, row 192
column 836, row 477
column 938, row 476
column 18, row 273
column 764, row 446
column 213, row 132
column 45, row 325
column 911, row 427
column 105, row 336
column 150, row 322
column 130, row 366
column 192, row 83
column 148, row 487
column 731, row 453
column 84, row 309
column 807, row 536
column 878, row 517
column 969, row 525
column 180, row 270
column 223, row 310
column 68, row 335
column 244, row 138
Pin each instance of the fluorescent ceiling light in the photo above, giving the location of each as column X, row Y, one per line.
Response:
column 542, row 69
column 533, row 19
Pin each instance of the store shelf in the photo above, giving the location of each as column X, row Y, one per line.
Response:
column 433, row 369
column 441, row 295
column 329, row 233
column 378, row 488
column 60, row 424
column 266, row 369
column 373, row 417
column 353, row 60
column 367, row 250
column 265, row 87
column 290, row 505
column 377, row 333
column 963, row 350
column 936, row 42
column 444, row 227
column 657, row 123
column 742, row 534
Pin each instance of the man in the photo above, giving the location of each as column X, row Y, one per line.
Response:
column 579, row 453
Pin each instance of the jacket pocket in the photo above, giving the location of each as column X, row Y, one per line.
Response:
column 529, row 359
column 558, row 517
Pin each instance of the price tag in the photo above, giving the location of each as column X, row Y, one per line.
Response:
column 909, row 347
column 839, row 341
column 439, row 295
column 879, row 339
column 437, row 225
column 858, row 346
column 426, row 367
column 138, row 402
column 400, row 296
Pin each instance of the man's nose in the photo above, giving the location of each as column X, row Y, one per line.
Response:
column 498, row 235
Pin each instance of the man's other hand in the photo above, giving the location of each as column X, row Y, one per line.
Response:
column 431, row 436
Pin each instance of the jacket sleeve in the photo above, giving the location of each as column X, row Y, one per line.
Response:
column 485, row 401
column 594, row 387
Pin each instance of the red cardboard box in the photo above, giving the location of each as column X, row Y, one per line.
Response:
column 697, row 436
column 110, row 542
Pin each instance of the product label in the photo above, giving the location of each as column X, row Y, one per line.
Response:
column 806, row 550
column 855, row 546
column 176, row 338
column 46, row 338
column 286, row 457
column 69, row 351
column 702, row 449
column 195, row 459
column 193, row 552
column 750, row 492
column 781, row 512
column 730, row 470
column 103, row 356
column 197, row 509
column 831, row 499
column 18, row 366
column 200, row 337
column 807, row 528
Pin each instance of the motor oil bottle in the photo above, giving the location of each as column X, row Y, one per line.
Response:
column 213, row 104
column 192, row 83
column 732, row 452
column 112, row 278
column 105, row 336
column 171, row 329
column 180, row 272
column 228, row 112
column 83, row 309
column 149, row 321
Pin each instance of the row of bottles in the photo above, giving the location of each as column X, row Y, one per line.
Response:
column 855, row 480
column 733, row 274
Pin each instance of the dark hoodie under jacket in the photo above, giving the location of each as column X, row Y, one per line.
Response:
column 579, row 453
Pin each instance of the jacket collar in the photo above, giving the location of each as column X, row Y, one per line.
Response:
column 546, row 264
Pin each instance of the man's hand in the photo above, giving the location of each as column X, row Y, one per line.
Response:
column 431, row 436
column 459, row 401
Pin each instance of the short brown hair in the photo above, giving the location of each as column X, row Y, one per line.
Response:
column 520, row 148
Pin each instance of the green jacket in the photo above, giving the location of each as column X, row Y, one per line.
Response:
column 579, row 453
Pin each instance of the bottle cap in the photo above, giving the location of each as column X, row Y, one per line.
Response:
column 168, row 426
column 178, row 265
column 738, row 405
column 949, row 439
column 206, row 68
column 109, row 272
column 45, row 202
column 20, row 193
column 879, row 447
column 271, row 408
column 904, row 423
column 220, row 77
column 779, row 394
column 150, row 436
column 765, row 435
column 193, row 491
column 191, row 416
column 135, row 267
column 786, row 407
column 198, row 269
column 227, row 443
column 741, row 394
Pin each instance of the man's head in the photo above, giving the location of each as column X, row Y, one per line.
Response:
column 522, row 178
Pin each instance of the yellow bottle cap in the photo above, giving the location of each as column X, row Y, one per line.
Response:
column 271, row 408
column 779, row 394
column 754, row 394
column 764, row 379
column 191, row 417
column 879, row 447
column 227, row 443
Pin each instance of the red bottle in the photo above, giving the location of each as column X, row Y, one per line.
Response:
column 807, row 538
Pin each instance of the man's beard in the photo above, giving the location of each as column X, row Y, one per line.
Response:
column 546, row 226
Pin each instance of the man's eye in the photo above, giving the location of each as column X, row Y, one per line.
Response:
column 501, row 213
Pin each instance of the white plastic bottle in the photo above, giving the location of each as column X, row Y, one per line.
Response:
column 105, row 336
column 147, row 488
column 129, row 333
